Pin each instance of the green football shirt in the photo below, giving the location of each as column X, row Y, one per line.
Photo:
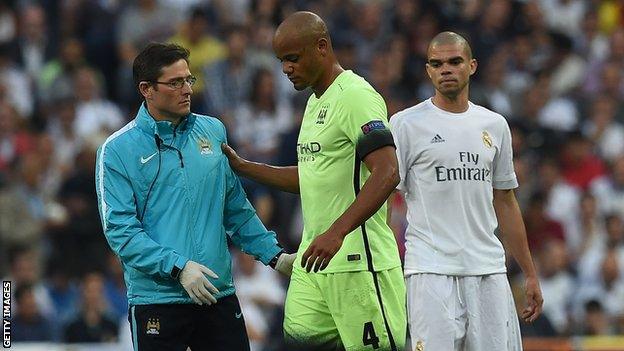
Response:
column 338, row 130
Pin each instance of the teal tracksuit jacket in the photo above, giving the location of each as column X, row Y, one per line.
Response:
column 167, row 195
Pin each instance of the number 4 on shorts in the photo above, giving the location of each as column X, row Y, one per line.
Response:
column 369, row 337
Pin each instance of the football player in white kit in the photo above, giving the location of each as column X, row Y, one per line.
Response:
column 457, row 176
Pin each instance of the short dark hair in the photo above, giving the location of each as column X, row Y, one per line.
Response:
column 593, row 306
column 149, row 62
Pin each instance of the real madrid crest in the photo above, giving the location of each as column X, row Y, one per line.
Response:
column 420, row 346
column 205, row 148
column 153, row 326
column 487, row 140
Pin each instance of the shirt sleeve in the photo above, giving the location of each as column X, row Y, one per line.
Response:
column 366, row 121
column 504, row 176
column 241, row 221
column 122, row 228
column 243, row 225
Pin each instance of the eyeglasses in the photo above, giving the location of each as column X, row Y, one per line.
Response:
column 179, row 82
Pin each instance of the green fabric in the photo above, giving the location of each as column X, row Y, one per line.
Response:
column 333, row 128
column 332, row 310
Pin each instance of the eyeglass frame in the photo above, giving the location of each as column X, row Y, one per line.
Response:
column 190, row 80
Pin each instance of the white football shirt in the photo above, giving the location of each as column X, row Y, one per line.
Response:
column 449, row 165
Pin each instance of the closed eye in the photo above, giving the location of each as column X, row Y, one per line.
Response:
column 290, row 58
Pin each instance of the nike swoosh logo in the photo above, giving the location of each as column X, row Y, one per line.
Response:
column 238, row 315
column 144, row 160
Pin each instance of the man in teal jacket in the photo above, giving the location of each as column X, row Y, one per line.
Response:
column 169, row 201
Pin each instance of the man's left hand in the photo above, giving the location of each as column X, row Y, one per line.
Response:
column 534, row 300
column 321, row 251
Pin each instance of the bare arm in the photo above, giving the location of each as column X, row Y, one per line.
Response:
column 384, row 178
column 282, row 178
column 513, row 235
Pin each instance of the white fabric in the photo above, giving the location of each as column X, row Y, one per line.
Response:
column 609, row 195
column 564, row 16
column 260, row 130
column 97, row 116
column 562, row 205
column 449, row 164
column 18, row 90
column 567, row 75
column 559, row 114
column 610, row 142
column 557, row 292
column 259, row 292
column 462, row 313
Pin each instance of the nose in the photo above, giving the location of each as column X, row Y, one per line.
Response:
column 187, row 89
column 446, row 69
column 287, row 68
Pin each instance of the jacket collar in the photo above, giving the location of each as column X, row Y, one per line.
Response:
column 163, row 129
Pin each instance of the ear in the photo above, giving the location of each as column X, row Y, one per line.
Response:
column 323, row 46
column 146, row 90
column 473, row 66
column 427, row 68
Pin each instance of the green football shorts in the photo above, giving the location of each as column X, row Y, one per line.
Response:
column 352, row 310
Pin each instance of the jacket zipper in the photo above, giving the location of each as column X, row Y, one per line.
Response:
column 192, row 237
column 178, row 150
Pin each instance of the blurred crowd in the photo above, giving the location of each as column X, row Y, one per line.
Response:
column 553, row 68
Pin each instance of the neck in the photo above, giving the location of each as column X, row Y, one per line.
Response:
column 160, row 116
column 327, row 79
column 455, row 104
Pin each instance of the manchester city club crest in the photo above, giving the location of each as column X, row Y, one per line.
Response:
column 205, row 148
column 153, row 326
column 487, row 140
column 320, row 119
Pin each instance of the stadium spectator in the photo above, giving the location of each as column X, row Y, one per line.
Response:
column 609, row 190
column 228, row 81
column 557, row 284
column 56, row 79
column 26, row 269
column 28, row 324
column 603, row 129
column 16, row 88
column 261, row 295
column 540, row 228
column 92, row 324
column 196, row 35
column 596, row 322
column 33, row 45
column 562, row 200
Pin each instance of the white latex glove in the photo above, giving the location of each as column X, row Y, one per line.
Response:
column 285, row 263
column 196, row 284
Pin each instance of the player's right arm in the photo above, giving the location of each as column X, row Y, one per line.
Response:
column 282, row 178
